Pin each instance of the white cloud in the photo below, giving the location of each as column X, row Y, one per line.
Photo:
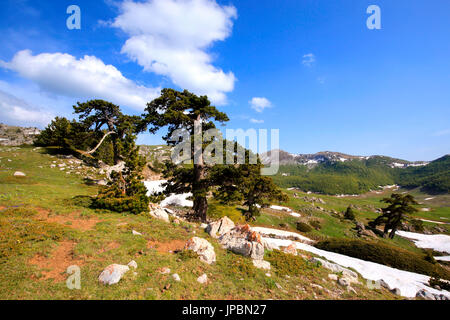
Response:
column 171, row 38
column 256, row 121
column 260, row 103
column 309, row 59
column 16, row 111
column 87, row 78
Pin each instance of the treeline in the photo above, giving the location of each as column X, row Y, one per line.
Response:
column 350, row 177
column 433, row 178
column 359, row 176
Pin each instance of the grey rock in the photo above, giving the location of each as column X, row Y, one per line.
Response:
column 203, row 248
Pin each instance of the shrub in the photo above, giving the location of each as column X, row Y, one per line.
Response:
column 83, row 201
column 349, row 214
column 303, row 227
column 417, row 225
column 185, row 255
column 316, row 224
column 444, row 285
column 384, row 254
column 287, row 264
column 243, row 267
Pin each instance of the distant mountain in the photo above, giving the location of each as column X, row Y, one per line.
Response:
column 285, row 158
column 338, row 173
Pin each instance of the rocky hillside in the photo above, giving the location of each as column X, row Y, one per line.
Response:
column 17, row 136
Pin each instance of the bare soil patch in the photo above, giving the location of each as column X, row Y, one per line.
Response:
column 54, row 266
column 164, row 247
column 72, row 220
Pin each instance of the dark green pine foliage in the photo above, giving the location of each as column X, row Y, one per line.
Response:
column 399, row 208
column 244, row 183
column 178, row 110
column 349, row 213
column 125, row 190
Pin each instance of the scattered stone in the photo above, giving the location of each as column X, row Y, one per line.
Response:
column 243, row 241
column 343, row 282
column 396, row 291
column 425, row 295
column 291, row 249
column 136, row 233
column 278, row 285
column 217, row 228
column 350, row 289
column 19, row 174
column 159, row 213
column 261, row 264
column 317, row 286
column 165, row 270
column 176, row 277
column 113, row 273
column 268, row 274
column 333, row 277
column 203, row 248
column 347, row 274
column 132, row 264
column 203, row 279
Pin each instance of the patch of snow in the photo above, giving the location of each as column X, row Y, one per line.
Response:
column 438, row 242
column 431, row 198
column 443, row 258
column 407, row 282
column 178, row 200
column 425, row 209
column 280, row 208
column 295, row 214
column 155, row 186
column 280, row 233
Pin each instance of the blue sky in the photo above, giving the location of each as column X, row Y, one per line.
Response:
column 311, row 68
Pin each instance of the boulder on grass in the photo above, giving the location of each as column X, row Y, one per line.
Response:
column 242, row 240
column 113, row 273
column 159, row 213
column 19, row 174
column 203, row 248
column 220, row 227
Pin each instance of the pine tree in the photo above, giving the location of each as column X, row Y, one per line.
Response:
column 400, row 207
column 244, row 183
column 125, row 190
column 193, row 114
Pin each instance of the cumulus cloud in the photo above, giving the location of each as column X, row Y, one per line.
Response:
column 171, row 38
column 16, row 111
column 88, row 77
column 260, row 103
column 256, row 121
column 309, row 59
